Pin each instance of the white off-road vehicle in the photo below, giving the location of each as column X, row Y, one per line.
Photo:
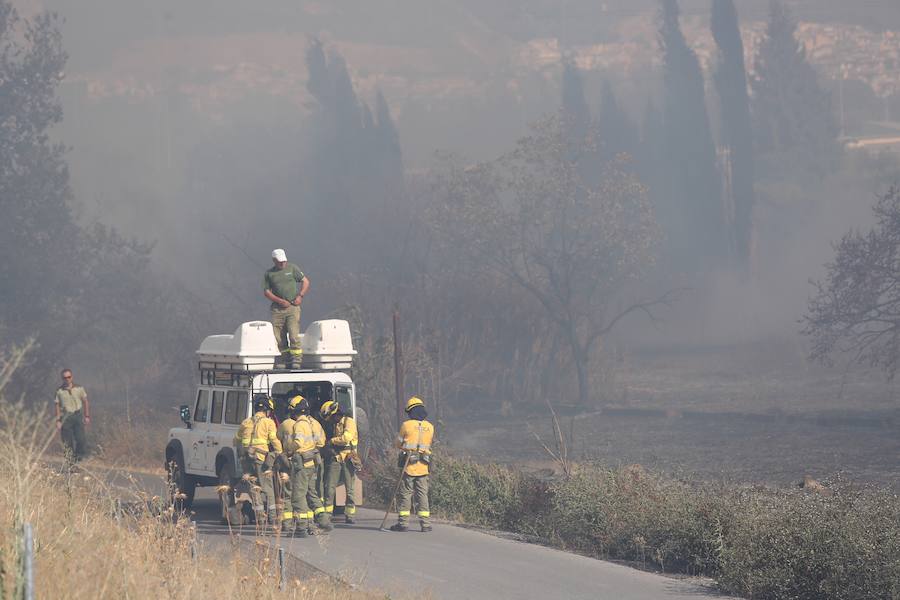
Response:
column 232, row 370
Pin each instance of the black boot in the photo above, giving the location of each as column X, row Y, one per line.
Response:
column 399, row 527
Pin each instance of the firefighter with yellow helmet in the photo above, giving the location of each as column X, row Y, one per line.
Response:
column 305, row 440
column 414, row 441
column 284, row 468
column 342, row 442
column 259, row 440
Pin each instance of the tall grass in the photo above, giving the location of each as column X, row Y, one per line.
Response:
column 89, row 544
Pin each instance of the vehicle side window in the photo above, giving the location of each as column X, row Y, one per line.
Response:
column 202, row 406
column 235, row 407
column 342, row 397
column 218, row 403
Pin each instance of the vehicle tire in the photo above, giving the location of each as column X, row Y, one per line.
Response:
column 180, row 481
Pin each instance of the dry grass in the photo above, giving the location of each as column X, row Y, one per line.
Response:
column 139, row 444
column 89, row 543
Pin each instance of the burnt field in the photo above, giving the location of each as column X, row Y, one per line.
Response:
column 752, row 414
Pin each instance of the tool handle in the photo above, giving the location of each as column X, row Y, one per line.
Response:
column 396, row 489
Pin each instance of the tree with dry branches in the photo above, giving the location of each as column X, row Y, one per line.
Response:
column 855, row 310
column 569, row 237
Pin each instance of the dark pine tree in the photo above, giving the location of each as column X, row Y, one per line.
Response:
column 38, row 234
column 794, row 124
column 356, row 167
column 388, row 147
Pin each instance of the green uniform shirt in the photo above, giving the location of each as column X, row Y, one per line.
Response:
column 284, row 283
column 70, row 401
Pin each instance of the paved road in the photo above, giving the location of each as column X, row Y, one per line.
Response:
column 457, row 563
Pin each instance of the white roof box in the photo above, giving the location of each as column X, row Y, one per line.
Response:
column 327, row 345
column 252, row 345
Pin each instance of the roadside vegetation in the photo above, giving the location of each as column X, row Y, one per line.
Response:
column 839, row 541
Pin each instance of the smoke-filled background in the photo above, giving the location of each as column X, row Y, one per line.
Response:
column 709, row 155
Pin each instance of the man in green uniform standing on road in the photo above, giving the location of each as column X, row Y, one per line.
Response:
column 72, row 414
column 286, row 285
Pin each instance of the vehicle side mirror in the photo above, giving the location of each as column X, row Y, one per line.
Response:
column 185, row 412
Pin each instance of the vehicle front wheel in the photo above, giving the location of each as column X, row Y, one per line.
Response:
column 181, row 485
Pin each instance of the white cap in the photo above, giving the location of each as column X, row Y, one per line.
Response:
column 279, row 255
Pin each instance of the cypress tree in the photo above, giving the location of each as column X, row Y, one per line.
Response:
column 576, row 116
column 618, row 135
column 694, row 185
column 730, row 80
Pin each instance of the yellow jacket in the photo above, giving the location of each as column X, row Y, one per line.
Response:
column 345, row 438
column 284, row 433
column 259, row 435
column 415, row 436
column 306, row 435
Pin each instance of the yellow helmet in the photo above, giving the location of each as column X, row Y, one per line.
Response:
column 298, row 403
column 329, row 409
column 412, row 402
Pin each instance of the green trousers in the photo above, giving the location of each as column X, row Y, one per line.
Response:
column 413, row 488
column 337, row 472
column 286, row 323
column 72, row 433
column 305, row 501
column 320, row 479
column 265, row 494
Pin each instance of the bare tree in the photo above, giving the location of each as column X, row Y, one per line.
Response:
column 570, row 241
column 856, row 309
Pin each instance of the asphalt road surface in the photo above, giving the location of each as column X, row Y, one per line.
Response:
column 453, row 562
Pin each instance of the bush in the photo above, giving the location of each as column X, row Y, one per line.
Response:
column 807, row 546
column 467, row 491
column 631, row 515
column 488, row 494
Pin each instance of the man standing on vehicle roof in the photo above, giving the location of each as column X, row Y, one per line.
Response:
column 259, row 439
column 414, row 442
column 286, row 285
column 342, row 441
column 72, row 414
column 303, row 444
